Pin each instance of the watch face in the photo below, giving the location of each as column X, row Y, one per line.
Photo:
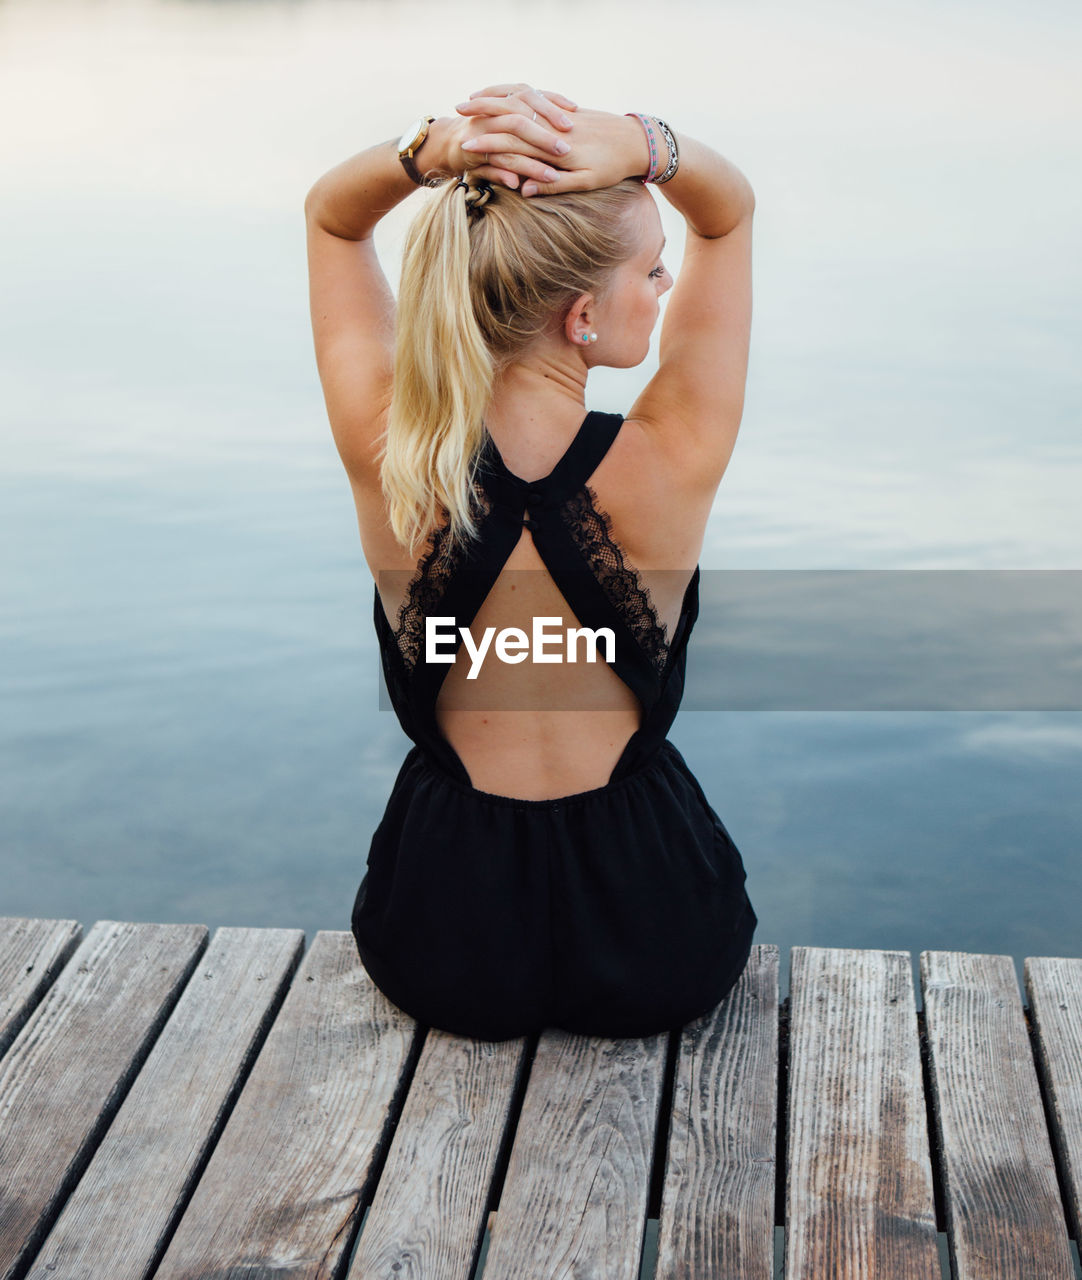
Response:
column 412, row 133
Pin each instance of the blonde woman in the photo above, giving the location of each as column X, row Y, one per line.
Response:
column 546, row 857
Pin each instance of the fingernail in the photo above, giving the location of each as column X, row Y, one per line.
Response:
column 561, row 147
column 551, row 175
column 529, row 189
column 566, row 121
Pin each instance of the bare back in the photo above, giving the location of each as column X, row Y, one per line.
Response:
column 656, row 485
column 532, row 750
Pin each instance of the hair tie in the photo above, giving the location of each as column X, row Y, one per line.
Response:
column 477, row 194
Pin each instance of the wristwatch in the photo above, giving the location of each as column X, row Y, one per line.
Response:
column 408, row 145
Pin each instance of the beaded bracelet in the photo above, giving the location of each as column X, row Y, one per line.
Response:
column 652, row 140
column 674, row 154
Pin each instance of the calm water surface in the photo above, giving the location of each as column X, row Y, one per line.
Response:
column 190, row 723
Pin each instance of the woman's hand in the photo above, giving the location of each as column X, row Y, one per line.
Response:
column 512, row 132
column 605, row 148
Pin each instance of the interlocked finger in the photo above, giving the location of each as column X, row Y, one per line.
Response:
column 517, row 133
column 523, row 165
column 532, row 104
column 502, row 91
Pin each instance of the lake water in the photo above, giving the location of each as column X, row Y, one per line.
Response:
column 191, row 727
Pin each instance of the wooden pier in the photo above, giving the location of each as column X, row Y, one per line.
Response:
column 232, row 1107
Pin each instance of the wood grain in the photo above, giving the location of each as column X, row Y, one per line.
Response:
column 859, row 1196
column 118, row 1218
column 574, row 1200
column 1004, row 1216
column 717, row 1206
column 66, row 1074
column 428, row 1216
column 32, row 953
column 223, row 1120
column 1054, row 992
column 282, row 1193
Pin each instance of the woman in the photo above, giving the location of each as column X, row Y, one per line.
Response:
column 546, row 857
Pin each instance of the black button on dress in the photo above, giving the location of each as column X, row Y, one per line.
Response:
column 617, row 911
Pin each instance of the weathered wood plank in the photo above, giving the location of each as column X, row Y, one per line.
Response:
column 32, row 953
column 428, row 1216
column 574, row 1200
column 70, row 1066
column 1054, row 993
column 117, row 1220
column 717, row 1204
column 285, row 1184
column 1004, row 1216
column 859, row 1195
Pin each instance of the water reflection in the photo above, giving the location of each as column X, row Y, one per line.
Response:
column 191, row 727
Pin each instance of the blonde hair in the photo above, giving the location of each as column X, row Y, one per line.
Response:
column 480, row 281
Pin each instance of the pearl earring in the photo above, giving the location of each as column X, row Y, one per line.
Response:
column 589, row 337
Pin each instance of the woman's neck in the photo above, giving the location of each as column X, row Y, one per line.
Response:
column 537, row 406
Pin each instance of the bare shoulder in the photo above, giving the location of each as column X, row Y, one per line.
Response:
column 658, row 502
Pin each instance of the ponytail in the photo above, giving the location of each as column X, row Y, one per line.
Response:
column 484, row 274
column 443, row 377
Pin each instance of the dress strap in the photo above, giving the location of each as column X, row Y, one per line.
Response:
column 593, row 441
column 583, row 456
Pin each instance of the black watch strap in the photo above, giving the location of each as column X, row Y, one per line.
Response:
column 407, row 150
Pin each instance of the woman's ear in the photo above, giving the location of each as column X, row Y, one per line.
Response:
column 579, row 318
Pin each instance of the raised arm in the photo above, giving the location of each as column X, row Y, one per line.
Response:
column 695, row 401
column 353, row 309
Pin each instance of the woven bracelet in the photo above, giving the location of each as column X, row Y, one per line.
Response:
column 651, row 138
column 674, row 154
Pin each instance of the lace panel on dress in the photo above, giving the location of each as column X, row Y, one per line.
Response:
column 591, row 529
column 428, row 585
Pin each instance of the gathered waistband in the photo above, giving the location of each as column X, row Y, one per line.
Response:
column 664, row 755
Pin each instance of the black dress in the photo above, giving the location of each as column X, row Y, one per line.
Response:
column 619, row 911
